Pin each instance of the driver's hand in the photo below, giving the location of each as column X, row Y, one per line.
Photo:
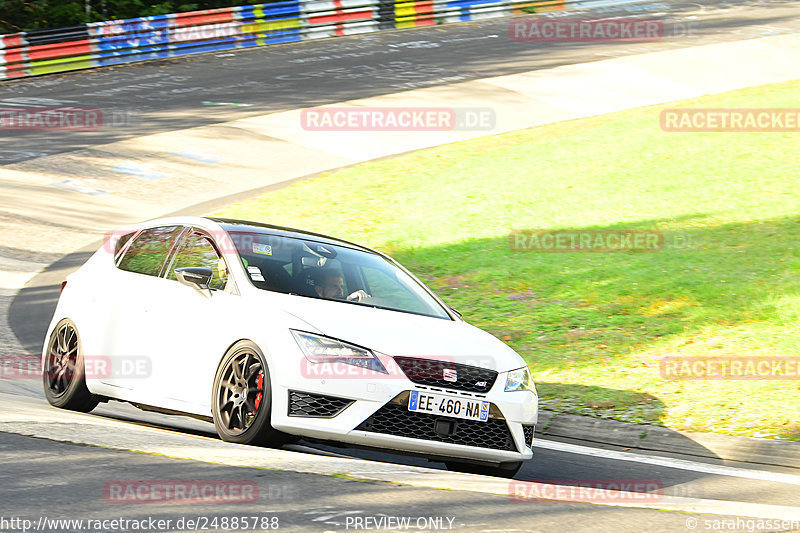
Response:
column 357, row 296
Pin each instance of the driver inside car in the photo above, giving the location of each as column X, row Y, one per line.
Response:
column 328, row 283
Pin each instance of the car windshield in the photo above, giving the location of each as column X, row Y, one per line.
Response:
column 330, row 272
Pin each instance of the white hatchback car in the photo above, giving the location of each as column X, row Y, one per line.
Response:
column 273, row 332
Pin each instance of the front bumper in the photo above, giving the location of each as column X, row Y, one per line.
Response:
column 374, row 413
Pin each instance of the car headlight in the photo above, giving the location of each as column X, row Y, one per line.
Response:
column 319, row 349
column 520, row 379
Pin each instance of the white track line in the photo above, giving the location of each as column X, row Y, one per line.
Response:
column 669, row 462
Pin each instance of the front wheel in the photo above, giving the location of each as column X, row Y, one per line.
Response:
column 241, row 402
column 63, row 374
column 506, row 470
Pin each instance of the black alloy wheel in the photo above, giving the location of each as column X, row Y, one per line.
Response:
column 242, row 398
column 63, row 374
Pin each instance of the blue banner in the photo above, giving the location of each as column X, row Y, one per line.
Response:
column 144, row 38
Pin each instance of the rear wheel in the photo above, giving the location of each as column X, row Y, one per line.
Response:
column 506, row 470
column 241, row 402
column 63, row 374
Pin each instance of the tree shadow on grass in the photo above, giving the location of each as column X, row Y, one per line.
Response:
column 583, row 314
column 601, row 402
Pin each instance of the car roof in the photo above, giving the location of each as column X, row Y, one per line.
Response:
column 232, row 224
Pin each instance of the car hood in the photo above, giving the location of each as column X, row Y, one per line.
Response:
column 395, row 333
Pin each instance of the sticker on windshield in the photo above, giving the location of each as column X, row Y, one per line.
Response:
column 255, row 273
column 265, row 249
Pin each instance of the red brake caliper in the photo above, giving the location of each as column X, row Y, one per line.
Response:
column 260, row 385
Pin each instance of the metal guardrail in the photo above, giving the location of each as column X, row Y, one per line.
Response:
column 115, row 42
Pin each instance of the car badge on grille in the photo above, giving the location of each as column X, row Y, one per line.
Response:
column 449, row 374
column 480, row 384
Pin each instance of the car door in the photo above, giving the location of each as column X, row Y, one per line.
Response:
column 136, row 285
column 192, row 328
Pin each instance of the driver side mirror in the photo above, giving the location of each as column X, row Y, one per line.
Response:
column 196, row 277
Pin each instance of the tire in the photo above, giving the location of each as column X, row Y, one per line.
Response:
column 241, row 404
column 505, row 470
column 63, row 375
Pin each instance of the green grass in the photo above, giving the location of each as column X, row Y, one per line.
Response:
column 593, row 326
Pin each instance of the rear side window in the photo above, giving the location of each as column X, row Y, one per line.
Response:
column 147, row 253
column 121, row 242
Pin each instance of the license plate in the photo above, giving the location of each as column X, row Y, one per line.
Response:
column 440, row 404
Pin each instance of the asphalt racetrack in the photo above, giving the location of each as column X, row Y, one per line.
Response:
column 177, row 94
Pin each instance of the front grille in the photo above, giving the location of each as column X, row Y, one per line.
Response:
column 396, row 419
column 528, row 432
column 316, row 405
column 430, row 372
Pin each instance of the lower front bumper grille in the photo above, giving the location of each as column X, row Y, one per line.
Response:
column 528, row 431
column 396, row 419
column 316, row 405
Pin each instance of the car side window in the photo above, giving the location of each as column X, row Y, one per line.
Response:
column 121, row 242
column 198, row 251
column 148, row 251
